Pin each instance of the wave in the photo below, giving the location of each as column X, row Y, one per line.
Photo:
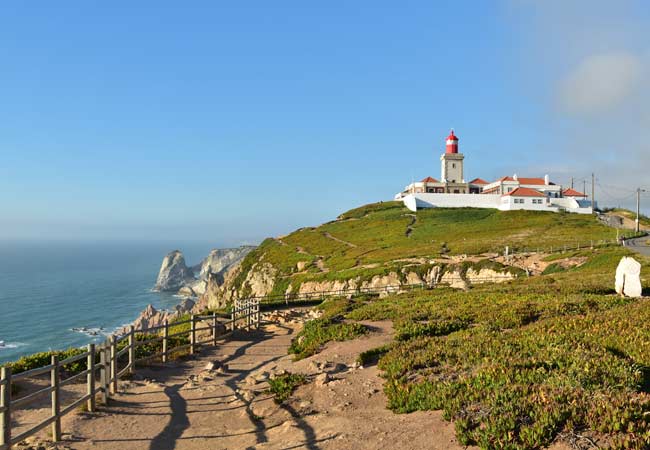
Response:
column 8, row 345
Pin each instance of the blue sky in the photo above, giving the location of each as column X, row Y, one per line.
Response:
column 229, row 122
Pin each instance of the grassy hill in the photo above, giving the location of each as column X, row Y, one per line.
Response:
column 514, row 366
column 380, row 237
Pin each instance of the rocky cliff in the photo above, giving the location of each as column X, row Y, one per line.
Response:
column 173, row 273
column 175, row 276
column 220, row 260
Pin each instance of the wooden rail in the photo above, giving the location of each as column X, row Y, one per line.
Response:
column 113, row 359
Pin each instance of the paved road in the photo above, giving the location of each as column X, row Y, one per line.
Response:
column 640, row 245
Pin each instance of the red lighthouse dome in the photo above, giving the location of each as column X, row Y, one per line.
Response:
column 452, row 143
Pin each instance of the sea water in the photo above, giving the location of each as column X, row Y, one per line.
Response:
column 49, row 291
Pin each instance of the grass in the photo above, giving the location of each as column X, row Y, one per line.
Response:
column 515, row 365
column 282, row 386
column 329, row 327
column 372, row 241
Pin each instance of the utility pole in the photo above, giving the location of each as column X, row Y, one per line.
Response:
column 571, row 182
column 593, row 192
column 584, row 188
column 638, row 207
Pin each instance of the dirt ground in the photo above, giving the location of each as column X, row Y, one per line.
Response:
column 186, row 407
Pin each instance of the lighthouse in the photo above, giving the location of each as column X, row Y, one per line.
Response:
column 452, row 143
column 452, row 165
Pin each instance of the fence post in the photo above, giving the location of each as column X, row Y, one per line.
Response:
column 248, row 315
column 90, row 378
column 114, row 364
column 232, row 316
column 131, row 349
column 192, row 334
column 56, row 403
column 5, row 402
column 214, row 329
column 102, row 373
column 259, row 315
column 164, row 342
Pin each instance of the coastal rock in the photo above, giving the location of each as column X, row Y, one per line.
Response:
column 628, row 277
column 219, row 260
column 150, row 317
column 173, row 274
column 185, row 306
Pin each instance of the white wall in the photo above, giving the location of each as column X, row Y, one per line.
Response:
column 414, row 201
column 573, row 205
column 506, row 203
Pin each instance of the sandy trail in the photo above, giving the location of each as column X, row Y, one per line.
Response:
column 177, row 408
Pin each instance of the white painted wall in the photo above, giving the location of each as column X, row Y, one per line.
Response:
column 505, row 203
column 508, row 204
column 414, row 201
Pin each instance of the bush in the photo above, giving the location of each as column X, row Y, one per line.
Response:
column 42, row 359
column 282, row 386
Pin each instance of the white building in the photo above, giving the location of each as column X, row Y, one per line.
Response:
column 506, row 193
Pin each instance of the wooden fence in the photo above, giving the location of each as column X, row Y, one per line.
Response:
column 111, row 360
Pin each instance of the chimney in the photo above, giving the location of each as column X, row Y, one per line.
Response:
column 547, row 181
column 514, row 177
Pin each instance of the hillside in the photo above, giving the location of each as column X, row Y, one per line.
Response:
column 387, row 240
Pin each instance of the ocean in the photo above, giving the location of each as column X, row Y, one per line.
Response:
column 47, row 289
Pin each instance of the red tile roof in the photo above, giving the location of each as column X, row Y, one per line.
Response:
column 529, row 181
column 572, row 193
column 491, row 190
column 430, row 180
column 525, row 192
column 478, row 181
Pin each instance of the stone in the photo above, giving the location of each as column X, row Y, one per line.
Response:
column 628, row 277
column 322, row 379
column 173, row 273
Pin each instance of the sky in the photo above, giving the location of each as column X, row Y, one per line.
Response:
column 235, row 121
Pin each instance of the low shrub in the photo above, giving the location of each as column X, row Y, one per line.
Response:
column 282, row 386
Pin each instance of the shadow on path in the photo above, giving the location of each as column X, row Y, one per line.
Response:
column 178, row 422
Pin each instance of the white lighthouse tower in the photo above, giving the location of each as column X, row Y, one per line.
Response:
column 452, row 162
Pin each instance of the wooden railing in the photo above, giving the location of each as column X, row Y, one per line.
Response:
column 113, row 359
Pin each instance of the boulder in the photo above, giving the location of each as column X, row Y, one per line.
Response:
column 173, row 273
column 628, row 277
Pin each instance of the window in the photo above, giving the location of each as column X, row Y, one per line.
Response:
column 538, row 201
column 456, row 191
column 519, row 200
column 509, row 189
column 453, row 165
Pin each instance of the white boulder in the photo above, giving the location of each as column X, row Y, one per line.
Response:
column 628, row 277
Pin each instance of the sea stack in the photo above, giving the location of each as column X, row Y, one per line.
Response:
column 173, row 274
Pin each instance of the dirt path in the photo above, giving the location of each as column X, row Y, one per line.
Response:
column 334, row 238
column 183, row 406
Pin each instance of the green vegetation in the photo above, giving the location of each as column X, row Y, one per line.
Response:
column 373, row 355
column 329, row 327
column 282, row 386
column 515, row 365
column 41, row 359
column 372, row 240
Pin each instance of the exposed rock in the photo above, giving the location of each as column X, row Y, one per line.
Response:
column 628, row 277
column 322, row 379
column 487, row 276
column 173, row 273
column 219, row 292
column 219, row 260
column 185, row 306
column 150, row 317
